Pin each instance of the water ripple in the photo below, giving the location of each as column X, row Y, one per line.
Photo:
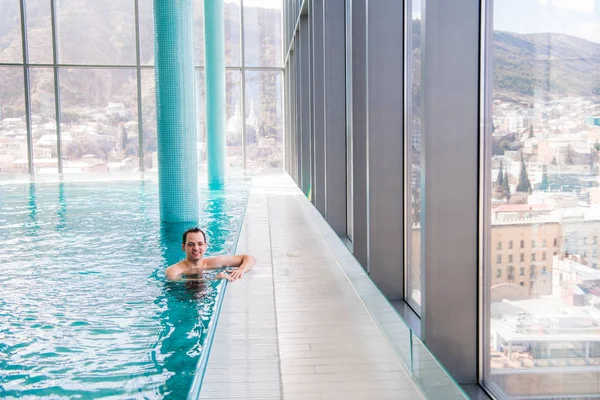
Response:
column 84, row 308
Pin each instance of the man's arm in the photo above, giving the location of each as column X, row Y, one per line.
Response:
column 243, row 263
column 175, row 273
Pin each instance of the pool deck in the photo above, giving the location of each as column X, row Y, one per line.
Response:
column 306, row 322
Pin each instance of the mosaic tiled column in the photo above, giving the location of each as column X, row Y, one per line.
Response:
column 214, row 58
column 176, row 110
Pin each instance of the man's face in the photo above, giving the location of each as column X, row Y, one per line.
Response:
column 194, row 246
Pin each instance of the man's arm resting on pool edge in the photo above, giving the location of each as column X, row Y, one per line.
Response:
column 243, row 263
column 174, row 275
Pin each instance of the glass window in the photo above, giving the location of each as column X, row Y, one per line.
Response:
column 231, row 9
column 499, row 246
column 99, row 128
column 510, row 244
column 234, row 119
column 201, row 118
column 522, row 257
column 522, row 271
column 13, row 129
column 199, row 33
column 522, row 244
column 149, row 119
column 264, row 133
column 39, row 31
column 510, row 258
column 43, row 121
column 498, row 259
column 262, row 33
column 412, row 124
column 499, row 273
column 11, row 45
column 96, row 32
column 146, row 22
column 544, row 104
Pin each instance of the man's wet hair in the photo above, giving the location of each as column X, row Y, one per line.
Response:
column 193, row 230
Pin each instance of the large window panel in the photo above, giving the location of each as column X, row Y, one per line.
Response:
column 413, row 130
column 201, row 118
column 43, row 121
column 149, row 119
column 146, row 24
column 543, row 281
column 96, row 32
column 235, row 120
column 13, row 131
column 39, row 31
column 199, row 33
column 11, row 45
column 231, row 10
column 264, row 118
column 99, row 128
column 262, row 33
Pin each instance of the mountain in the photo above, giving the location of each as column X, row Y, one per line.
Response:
column 548, row 64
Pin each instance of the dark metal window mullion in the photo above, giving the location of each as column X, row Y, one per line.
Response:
column 243, row 107
column 26, row 89
column 56, row 85
column 139, row 88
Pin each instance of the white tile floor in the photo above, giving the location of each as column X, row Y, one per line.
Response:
column 301, row 324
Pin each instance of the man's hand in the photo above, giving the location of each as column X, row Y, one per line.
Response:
column 224, row 275
column 237, row 274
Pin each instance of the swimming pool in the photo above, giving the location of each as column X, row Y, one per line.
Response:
column 85, row 310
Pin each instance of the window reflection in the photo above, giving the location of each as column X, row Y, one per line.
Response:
column 413, row 145
column 544, row 328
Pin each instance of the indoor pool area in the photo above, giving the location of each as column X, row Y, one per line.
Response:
column 85, row 309
column 300, row 199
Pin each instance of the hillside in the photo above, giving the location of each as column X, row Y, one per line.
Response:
column 549, row 64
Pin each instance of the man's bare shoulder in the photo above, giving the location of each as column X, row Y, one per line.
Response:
column 175, row 271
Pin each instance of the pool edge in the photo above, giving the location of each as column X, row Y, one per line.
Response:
column 194, row 392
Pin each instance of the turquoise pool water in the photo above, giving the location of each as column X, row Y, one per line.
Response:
column 85, row 311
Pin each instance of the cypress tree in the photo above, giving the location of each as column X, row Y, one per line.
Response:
column 524, row 184
column 506, row 187
column 499, row 179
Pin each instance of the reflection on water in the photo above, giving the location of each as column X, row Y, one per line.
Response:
column 84, row 300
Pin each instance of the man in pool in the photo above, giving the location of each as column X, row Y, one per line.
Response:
column 194, row 244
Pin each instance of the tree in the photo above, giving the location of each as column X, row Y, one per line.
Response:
column 545, row 185
column 554, row 162
column 569, row 158
column 524, row 184
column 499, row 179
column 506, row 187
column 530, row 131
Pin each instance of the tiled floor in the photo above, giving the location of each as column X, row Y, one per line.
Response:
column 300, row 325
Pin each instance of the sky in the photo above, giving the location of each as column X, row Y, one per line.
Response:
column 260, row 3
column 580, row 18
